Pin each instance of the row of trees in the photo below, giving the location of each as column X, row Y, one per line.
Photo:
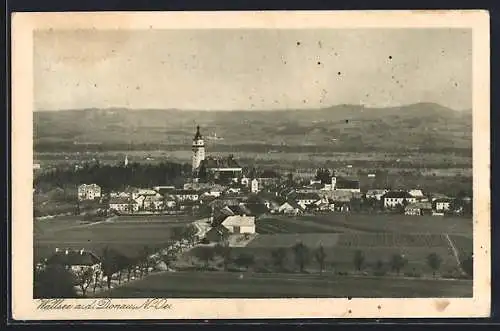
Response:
column 111, row 177
column 303, row 256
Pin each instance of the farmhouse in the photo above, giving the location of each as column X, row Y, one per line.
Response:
column 291, row 208
column 398, row 198
column 75, row 261
column 89, row 192
column 240, row 224
column 418, row 208
column 305, row 199
column 123, row 205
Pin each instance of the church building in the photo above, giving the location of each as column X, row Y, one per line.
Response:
column 211, row 169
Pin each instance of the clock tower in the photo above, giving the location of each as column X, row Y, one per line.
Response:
column 198, row 149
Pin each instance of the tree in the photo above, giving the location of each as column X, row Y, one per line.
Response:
column 359, row 260
column 84, row 278
column 245, row 260
column 434, row 262
column 278, row 256
column 145, row 260
column 109, row 264
column 301, row 252
column 190, row 234
column 323, row 175
column 206, row 254
column 177, row 233
column 169, row 258
column 320, row 257
column 398, row 262
column 224, row 251
column 54, row 282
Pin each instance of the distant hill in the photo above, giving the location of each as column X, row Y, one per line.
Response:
column 422, row 126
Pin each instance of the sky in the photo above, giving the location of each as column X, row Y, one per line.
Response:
column 251, row 69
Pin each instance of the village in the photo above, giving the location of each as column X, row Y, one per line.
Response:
column 231, row 204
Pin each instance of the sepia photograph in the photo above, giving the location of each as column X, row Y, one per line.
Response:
column 230, row 157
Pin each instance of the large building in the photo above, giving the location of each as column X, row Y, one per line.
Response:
column 210, row 168
column 89, row 192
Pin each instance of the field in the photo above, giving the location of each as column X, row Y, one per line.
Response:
column 127, row 234
column 372, row 223
column 379, row 237
column 251, row 285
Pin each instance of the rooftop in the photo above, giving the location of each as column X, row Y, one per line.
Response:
column 220, row 163
column 398, row 194
column 73, row 258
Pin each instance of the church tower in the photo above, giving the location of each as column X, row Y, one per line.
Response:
column 198, row 149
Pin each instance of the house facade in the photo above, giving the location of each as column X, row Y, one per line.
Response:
column 393, row 199
column 442, row 205
column 418, row 208
column 123, row 205
column 89, row 192
column 290, row 208
column 240, row 224
column 184, row 195
column 306, row 199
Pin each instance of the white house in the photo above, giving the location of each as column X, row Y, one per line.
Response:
column 395, row 198
column 240, row 224
column 89, row 192
column 245, row 181
column 416, row 193
column 442, row 205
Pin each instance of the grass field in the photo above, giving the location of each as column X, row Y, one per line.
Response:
column 379, row 237
column 371, row 223
column 251, row 285
column 340, row 249
column 127, row 234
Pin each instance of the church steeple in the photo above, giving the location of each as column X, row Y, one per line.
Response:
column 198, row 135
column 198, row 149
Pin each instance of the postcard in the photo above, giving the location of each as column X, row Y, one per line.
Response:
column 250, row 165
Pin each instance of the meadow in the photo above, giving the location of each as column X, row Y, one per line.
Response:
column 255, row 285
column 126, row 234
